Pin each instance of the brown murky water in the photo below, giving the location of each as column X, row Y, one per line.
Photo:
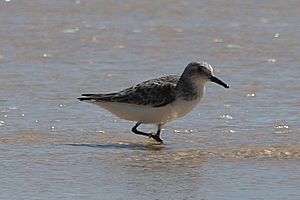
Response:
column 242, row 143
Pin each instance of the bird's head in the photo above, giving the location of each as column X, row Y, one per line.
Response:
column 202, row 72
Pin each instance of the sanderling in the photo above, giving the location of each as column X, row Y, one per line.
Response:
column 158, row 101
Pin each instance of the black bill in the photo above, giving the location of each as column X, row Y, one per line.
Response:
column 218, row 81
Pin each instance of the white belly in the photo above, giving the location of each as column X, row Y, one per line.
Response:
column 148, row 114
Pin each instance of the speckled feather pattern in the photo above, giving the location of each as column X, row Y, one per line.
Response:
column 155, row 92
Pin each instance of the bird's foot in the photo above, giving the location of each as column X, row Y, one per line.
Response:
column 156, row 138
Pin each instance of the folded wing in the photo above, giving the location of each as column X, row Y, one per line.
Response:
column 156, row 93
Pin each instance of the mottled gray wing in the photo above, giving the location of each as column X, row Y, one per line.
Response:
column 156, row 92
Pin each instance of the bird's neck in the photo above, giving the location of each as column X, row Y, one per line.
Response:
column 190, row 89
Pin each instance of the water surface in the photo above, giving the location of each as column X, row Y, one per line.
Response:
column 241, row 143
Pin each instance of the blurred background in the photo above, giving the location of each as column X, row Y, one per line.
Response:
column 241, row 143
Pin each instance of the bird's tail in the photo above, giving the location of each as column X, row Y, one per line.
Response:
column 86, row 97
column 96, row 97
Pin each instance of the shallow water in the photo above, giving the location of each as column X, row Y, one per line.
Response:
column 241, row 143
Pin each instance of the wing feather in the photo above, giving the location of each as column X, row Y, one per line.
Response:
column 155, row 92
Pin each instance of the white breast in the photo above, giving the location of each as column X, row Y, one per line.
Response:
column 181, row 108
column 148, row 114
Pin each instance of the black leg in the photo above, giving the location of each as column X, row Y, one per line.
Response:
column 150, row 135
column 157, row 135
column 134, row 129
